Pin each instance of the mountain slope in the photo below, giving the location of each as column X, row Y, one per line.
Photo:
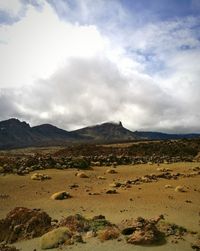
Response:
column 164, row 136
column 107, row 132
column 15, row 134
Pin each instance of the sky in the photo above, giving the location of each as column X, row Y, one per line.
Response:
column 75, row 63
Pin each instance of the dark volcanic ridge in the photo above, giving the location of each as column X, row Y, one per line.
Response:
column 17, row 134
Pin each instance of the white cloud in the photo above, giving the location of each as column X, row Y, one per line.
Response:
column 73, row 75
column 40, row 43
column 12, row 7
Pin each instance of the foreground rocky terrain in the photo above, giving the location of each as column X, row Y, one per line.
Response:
column 100, row 197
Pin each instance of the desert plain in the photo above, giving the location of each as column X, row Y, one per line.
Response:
column 141, row 190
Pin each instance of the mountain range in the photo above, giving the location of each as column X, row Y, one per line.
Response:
column 17, row 134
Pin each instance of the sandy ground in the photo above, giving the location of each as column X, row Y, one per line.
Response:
column 146, row 200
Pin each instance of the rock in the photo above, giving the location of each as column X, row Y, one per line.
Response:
column 141, row 237
column 109, row 233
column 75, row 223
column 168, row 186
column 1, row 169
column 4, row 247
column 128, row 230
column 114, row 165
column 58, row 166
column 196, row 245
column 78, row 238
column 60, row 195
column 90, row 234
column 196, row 168
column 162, row 169
column 55, row 237
column 99, row 217
column 111, row 191
column 180, row 189
column 26, row 223
column 101, row 178
column 115, row 184
column 111, row 171
column 40, row 176
column 188, row 201
column 73, row 186
column 171, row 229
column 93, row 193
column 145, row 232
column 82, row 175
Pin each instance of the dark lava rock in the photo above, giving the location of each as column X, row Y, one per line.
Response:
column 111, row 191
column 99, row 217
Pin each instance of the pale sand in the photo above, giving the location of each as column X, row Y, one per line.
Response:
column 148, row 200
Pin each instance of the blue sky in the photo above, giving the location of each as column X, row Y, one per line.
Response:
column 82, row 62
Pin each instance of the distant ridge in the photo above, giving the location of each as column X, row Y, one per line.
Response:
column 16, row 134
column 109, row 131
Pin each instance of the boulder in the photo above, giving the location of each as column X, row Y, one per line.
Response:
column 180, row 189
column 142, row 237
column 145, row 232
column 1, row 169
column 82, row 175
column 60, row 195
column 196, row 168
column 40, row 176
column 77, row 238
column 101, row 178
column 55, row 237
column 196, row 245
column 90, row 234
column 115, row 184
column 26, row 223
column 168, row 186
column 109, row 233
column 162, row 169
column 111, row 191
column 111, row 171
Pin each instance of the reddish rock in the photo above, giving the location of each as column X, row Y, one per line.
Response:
column 144, row 232
column 23, row 223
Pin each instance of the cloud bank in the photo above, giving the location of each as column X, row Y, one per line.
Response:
column 77, row 63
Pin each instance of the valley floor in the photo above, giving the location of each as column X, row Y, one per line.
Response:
column 89, row 199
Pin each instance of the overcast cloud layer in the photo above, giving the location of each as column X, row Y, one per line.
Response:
column 82, row 62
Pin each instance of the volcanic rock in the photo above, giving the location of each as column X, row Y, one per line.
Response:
column 23, row 223
column 145, row 232
column 55, row 237
column 111, row 191
column 40, row 176
column 180, row 189
column 111, row 171
column 82, row 175
column 60, row 195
